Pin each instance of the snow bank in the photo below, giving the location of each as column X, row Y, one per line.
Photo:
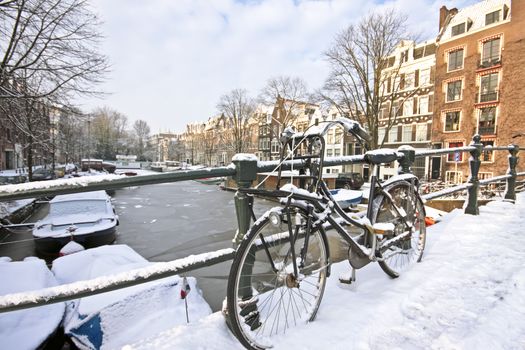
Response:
column 467, row 293
column 27, row 329
column 112, row 319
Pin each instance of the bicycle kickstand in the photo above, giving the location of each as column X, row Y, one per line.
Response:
column 347, row 278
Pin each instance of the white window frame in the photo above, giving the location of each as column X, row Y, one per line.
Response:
column 455, row 175
column 445, row 121
column 424, row 77
column 406, row 135
column 419, row 132
column 422, row 99
column 447, row 99
column 462, row 61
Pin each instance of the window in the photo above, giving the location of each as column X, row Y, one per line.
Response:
column 458, row 29
column 491, row 52
column 424, row 77
column 492, row 17
column 404, row 56
column 337, row 152
column 338, row 136
column 487, row 121
column 358, row 149
column 275, row 146
column 489, row 88
column 329, row 153
column 408, row 106
column 407, row 133
column 381, row 135
column 421, row 132
column 452, row 121
column 455, row 60
column 410, row 80
column 487, row 155
column 423, row 105
column 456, row 156
column 392, row 134
column 454, row 91
column 454, row 177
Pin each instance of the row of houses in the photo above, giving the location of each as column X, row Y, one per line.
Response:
column 469, row 80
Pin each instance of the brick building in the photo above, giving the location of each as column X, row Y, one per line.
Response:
column 479, row 84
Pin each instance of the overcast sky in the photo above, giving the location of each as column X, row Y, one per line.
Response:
column 173, row 59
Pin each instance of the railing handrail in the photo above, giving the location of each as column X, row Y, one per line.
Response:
column 99, row 285
column 112, row 182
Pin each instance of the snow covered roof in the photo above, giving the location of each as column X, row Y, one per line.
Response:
column 474, row 17
column 94, row 195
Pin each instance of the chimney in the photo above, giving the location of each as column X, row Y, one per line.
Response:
column 444, row 13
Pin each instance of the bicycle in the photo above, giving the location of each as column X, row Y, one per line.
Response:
column 279, row 272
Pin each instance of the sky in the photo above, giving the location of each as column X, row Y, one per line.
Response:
column 173, row 60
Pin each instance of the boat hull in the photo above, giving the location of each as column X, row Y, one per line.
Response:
column 49, row 247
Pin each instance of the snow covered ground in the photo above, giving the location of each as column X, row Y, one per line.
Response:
column 468, row 293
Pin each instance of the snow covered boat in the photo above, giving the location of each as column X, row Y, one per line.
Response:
column 87, row 218
column 112, row 320
column 346, row 198
column 35, row 328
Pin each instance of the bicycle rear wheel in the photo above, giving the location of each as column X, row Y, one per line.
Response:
column 265, row 298
column 397, row 257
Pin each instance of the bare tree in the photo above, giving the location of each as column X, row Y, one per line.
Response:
column 237, row 107
column 289, row 93
column 361, row 75
column 54, row 42
column 142, row 131
column 108, row 131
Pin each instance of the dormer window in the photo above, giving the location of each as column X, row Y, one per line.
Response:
column 492, row 17
column 458, row 29
column 461, row 27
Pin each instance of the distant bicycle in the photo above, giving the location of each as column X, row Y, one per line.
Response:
column 279, row 272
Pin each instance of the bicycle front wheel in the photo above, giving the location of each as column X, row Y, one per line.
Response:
column 267, row 293
column 404, row 209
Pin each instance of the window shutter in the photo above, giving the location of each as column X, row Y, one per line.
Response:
column 416, row 78
column 414, row 105
column 430, row 103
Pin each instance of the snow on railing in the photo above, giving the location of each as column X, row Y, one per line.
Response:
column 100, row 285
column 71, row 291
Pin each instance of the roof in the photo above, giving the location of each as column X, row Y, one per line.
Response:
column 475, row 13
column 94, row 195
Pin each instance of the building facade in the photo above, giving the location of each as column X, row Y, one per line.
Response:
column 406, row 112
column 479, row 84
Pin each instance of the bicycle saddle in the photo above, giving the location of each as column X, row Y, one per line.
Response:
column 379, row 156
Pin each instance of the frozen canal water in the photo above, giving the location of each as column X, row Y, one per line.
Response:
column 169, row 221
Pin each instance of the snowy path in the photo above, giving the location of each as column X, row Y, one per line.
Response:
column 468, row 293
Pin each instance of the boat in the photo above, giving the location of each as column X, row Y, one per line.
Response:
column 346, row 198
column 115, row 319
column 34, row 328
column 87, row 218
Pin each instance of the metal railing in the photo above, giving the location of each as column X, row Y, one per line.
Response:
column 244, row 170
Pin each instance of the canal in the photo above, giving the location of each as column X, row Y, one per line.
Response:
column 170, row 221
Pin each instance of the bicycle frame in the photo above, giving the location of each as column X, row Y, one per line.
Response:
column 363, row 253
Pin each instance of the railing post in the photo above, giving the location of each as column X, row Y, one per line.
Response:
column 246, row 173
column 474, row 162
column 405, row 164
column 511, row 181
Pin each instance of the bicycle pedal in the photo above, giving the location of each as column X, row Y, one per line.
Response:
column 346, row 278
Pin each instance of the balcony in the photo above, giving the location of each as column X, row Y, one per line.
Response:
column 487, row 130
column 488, row 62
column 491, row 96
